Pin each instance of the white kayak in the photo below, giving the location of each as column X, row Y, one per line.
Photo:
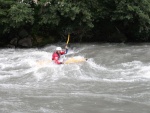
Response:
column 71, row 60
column 77, row 59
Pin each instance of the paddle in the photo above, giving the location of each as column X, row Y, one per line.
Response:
column 67, row 43
column 68, row 39
column 66, row 47
column 73, row 59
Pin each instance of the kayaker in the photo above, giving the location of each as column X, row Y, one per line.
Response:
column 57, row 54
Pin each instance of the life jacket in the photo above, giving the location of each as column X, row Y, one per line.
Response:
column 56, row 56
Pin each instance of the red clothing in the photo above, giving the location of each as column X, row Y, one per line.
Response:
column 56, row 57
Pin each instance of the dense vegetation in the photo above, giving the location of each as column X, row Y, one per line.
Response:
column 85, row 20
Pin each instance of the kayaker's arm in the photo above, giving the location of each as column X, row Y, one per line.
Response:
column 66, row 47
column 57, row 61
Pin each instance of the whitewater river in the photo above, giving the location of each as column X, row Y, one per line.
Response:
column 114, row 79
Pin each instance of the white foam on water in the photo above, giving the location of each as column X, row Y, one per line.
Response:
column 28, row 61
column 21, row 77
column 133, row 64
column 120, row 80
column 14, row 86
column 144, row 72
column 19, row 63
column 136, row 70
column 93, row 65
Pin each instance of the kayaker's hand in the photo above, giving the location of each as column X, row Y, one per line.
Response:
column 66, row 47
column 61, row 63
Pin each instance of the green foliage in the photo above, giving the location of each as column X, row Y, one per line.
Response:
column 65, row 15
column 4, row 20
column 15, row 14
column 48, row 14
column 130, row 18
column 20, row 14
column 133, row 10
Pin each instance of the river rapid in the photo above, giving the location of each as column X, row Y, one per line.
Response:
column 114, row 79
